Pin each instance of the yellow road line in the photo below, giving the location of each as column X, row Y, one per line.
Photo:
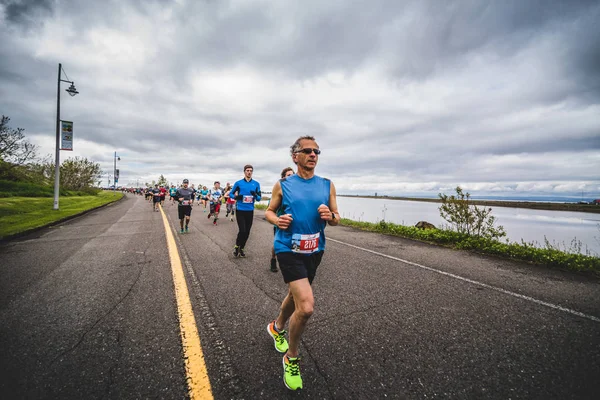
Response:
column 195, row 367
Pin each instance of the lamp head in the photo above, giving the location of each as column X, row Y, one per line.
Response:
column 71, row 90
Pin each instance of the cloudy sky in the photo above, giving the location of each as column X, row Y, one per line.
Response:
column 404, row 97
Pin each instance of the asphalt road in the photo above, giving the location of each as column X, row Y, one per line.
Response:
column 87, row 310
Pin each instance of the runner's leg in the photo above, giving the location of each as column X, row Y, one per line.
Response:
column 304, row 304
column 285, row 311
column 241, row 222
column 248, row 219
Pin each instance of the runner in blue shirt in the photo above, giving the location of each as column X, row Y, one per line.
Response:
column 246, row 191
column 308, row 203
column 204, row 194
column 172, row 192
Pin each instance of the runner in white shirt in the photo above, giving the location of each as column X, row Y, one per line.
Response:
column 215, row 195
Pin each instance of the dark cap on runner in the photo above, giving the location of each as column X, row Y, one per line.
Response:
column 186, row 181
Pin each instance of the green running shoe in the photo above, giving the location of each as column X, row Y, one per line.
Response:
column 281, row 345
column 181, row 230
column 291, row 373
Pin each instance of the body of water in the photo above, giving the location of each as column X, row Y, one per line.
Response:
column 559, row 227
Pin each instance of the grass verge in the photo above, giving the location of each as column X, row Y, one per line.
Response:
column 21, row 214
column 548, row 256
column 31, row 189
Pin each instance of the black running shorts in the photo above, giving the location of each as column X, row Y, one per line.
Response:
column 299, row 266
column 184, row 211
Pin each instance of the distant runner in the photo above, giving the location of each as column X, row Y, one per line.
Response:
column 215, row 195
column 155, row 197
column 246, row 191
column 172, row 192
column 230, row 204
column 204, row 194
column 185, row 197
column 163, row 195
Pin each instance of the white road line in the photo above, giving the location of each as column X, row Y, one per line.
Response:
column 508, row 292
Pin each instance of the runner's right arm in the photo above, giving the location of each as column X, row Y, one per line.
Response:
column 283, row 221
column 234, row 189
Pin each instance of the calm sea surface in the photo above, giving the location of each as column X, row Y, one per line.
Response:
column 559, row 227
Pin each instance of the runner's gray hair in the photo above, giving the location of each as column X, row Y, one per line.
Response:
column 296, row 146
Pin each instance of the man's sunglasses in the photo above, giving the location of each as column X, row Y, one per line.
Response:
column 308, row 151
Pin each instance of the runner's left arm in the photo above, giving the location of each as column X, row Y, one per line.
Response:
column 333, row 207
column 331, row 213
column 256, row 193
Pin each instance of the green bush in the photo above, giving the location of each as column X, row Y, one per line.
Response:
column 467, row 218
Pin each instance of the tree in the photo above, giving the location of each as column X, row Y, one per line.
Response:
column 162, row 180
column 14, row 148
column 467, row 218
column 78, row 173
column 41, row 171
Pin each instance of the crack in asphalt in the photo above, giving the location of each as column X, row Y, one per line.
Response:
column 111, row 371
column 318, row 368
column 137, row 278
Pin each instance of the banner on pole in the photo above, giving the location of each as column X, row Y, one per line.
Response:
column 67, row 135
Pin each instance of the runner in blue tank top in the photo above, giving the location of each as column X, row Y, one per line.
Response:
column 309, row 204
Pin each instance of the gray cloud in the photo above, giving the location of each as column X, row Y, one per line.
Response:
column 409, row 94
column 26, row 11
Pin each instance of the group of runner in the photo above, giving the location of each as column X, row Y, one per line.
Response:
column 301, row 206
column 186, row 195
column 155, row 195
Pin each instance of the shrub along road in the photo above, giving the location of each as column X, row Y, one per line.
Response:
column 87, row 310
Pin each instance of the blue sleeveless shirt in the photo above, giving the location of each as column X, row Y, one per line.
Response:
column 301, row 198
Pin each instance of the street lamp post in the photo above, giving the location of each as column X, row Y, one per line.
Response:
column 72, row 91
column 115, row 175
